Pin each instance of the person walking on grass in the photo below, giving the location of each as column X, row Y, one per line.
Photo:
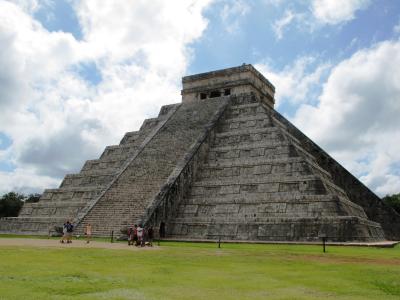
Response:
column 88, row 233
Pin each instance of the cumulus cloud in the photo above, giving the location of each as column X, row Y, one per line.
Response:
column 336, row 11
column 295, row 82
column 55, row 117
column 232, row 12
column 279, row 25
column 308, row 16
column 357, row 117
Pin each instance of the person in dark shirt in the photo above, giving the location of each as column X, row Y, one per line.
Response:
column 150, row 236
column 70, row 229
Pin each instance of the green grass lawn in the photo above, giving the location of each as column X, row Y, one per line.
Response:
column 200, row 271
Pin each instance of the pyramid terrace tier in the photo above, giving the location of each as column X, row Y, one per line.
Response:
column 31, row 225
column 337, row 229
column 254, row 207
column 62, row 209
column 71, row 193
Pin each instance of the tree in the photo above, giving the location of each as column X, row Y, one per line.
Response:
column 393, row 201
column 10, row 204
column 33, row 198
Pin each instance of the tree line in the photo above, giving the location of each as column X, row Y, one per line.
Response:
column 11, row 203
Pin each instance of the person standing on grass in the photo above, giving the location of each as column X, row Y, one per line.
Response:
column 145, row 237
column 130, row 235
column 135, row 236
column 88, row 233
column 150, row 235
column 70, row 229
column 140, row 235
column 64, row 233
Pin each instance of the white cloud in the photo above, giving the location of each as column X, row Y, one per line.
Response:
column 336, row 11
column 55, row 118
column 232, row 12
column 25, row 181
column 31, row 6
column 295, row 82
column 283, row 22
column 357, row 117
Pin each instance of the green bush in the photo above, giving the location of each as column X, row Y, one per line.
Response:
column 10, row 204
column 393, row 201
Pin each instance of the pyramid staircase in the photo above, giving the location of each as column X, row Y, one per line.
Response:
column 258, row 183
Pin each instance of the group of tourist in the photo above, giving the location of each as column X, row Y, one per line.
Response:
column 68, row 229
column 137, row 235
column 140, row 236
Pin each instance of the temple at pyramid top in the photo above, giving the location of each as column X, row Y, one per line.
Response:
column 226, row 82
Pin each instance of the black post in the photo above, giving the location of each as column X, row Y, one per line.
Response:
column 323, row 237
column 219, row 242
column 112, row 236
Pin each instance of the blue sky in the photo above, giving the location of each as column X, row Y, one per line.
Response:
column 76, row 75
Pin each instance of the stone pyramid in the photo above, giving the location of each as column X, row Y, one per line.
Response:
column 222, row 164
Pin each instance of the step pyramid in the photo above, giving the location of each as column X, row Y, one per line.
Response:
column 221, row 164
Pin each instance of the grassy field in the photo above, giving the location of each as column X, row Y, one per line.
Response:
column 200, row 271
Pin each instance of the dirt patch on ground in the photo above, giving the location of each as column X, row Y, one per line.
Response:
column 75, row 244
